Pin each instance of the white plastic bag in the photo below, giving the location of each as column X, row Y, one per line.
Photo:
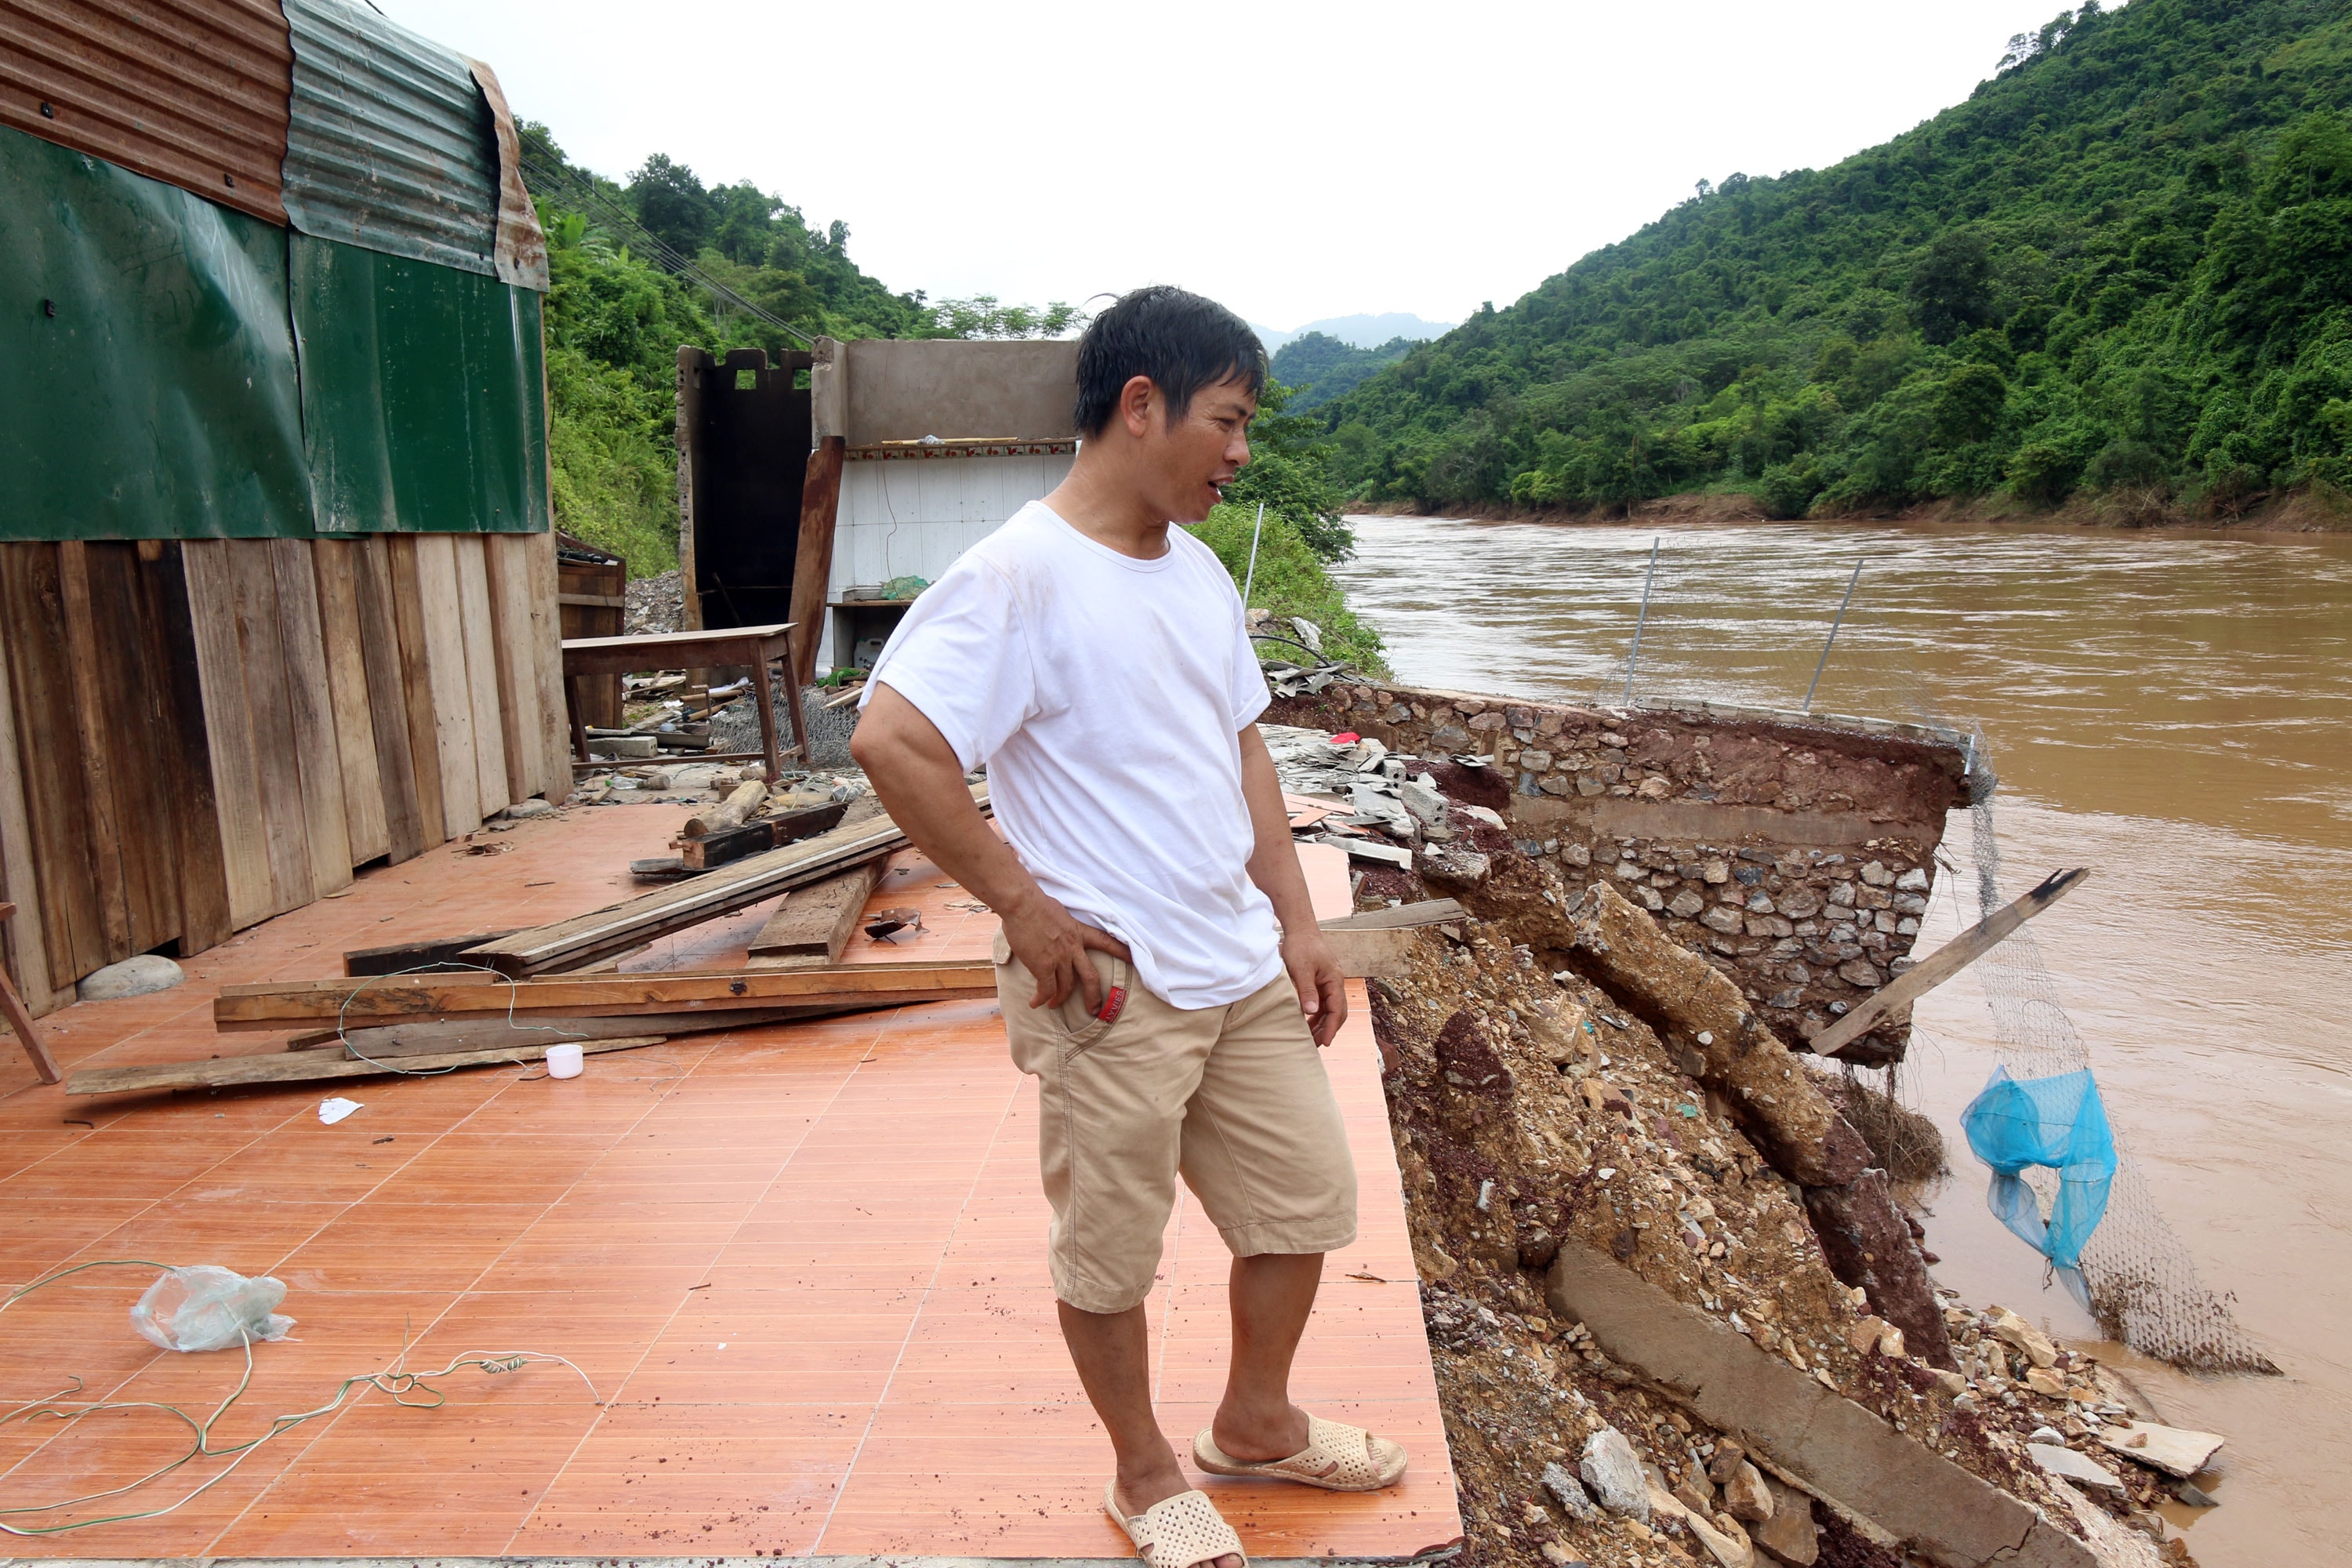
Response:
column 207, row 1307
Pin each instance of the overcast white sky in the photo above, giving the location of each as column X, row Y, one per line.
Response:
column 1296, row 161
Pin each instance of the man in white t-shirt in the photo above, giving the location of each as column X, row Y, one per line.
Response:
column 1159, row 966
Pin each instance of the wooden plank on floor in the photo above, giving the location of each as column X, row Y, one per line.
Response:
column 87, row 687
column 547, row 668
column 335, row 565
column 583, row 939
column 414, row 681
column 308, row 1066
column 509, row 561
column 317, row 754
column 474, row 618
column 25, row 939
column 814, row 924
column 276, row 774
column 411, row 999
column 202, row 867
column 228, row 727
column 48, row 752
column 453, row 700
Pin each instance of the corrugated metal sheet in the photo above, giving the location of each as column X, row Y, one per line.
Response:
column 190, row 91
column 148, row 387
column 522, row 245
column 391, row 146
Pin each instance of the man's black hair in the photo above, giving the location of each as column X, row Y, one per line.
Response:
column 1182, row 341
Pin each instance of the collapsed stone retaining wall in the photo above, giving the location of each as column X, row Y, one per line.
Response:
column 1796, row 855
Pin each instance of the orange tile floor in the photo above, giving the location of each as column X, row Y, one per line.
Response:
column 803, row 1267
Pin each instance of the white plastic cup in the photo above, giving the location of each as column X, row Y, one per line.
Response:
column 564, row 1061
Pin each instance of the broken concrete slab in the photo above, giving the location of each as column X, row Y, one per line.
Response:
column 1838, row 1449
column 1698, row 1009
column 2175, row 1450
column 2068, row 1464
column 1379, row 854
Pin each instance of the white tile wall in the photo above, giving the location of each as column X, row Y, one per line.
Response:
column 914, row 517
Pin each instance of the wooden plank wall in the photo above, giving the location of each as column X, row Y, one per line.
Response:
column 196, row 736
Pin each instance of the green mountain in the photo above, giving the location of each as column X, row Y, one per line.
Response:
column 1320, row 367
column 2125, row 263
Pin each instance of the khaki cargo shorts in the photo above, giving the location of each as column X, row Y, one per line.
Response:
column 1235, row 1097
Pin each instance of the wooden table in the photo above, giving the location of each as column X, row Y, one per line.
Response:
column 753, row 645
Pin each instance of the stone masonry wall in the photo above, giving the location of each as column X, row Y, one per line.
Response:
column 1797, row 857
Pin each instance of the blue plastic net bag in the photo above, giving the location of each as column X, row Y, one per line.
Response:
column 2057, row 1122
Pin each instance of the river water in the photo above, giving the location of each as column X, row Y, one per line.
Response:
column 2172, row 709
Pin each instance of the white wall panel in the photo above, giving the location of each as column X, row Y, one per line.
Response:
column 902, row 517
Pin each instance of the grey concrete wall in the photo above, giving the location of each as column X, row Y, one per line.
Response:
column 881, row 390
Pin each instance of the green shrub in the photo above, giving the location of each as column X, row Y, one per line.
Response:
column 1291, row 581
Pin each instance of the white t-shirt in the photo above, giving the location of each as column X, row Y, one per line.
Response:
column 1107, row 696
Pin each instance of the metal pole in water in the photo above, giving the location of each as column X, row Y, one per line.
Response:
column 1833, row 631
column 1251, row 576
column 1640, row 621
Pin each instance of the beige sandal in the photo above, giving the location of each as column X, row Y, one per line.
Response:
column 1181, row 1531
column 1338, row 1458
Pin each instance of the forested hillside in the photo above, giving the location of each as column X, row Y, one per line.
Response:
column 1321, row 367
column 619, row 307
column 2124, row 266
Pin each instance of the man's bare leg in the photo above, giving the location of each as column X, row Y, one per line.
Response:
column 1272, row 1296
column 1113, row 1354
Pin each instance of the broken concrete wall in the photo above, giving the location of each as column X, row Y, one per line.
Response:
column 1797, row 856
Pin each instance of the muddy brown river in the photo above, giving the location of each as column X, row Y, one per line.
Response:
column 2172, row 709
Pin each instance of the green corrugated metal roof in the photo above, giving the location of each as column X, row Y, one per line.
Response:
column 391, row 147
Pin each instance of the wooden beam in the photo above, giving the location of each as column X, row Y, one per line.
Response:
column 397, row 956
column 410, row 997
column 228, row 727
column 12, row 1007
column 554, row 738
column 476, row 623
column 311, row 1067
column 91, row 714
column 1946, row 962
column 584, row 939
column 203, row 858
column 277, row 771
column 1397, row 917
column 595, row 601
column 29, row 950
column 452, row 698
column 376, row 630
column 311, row 704
column 336, row 565
column 812, row 926
column 756, row 838
column 405, row 574
column 812, row 561
column 433, row 1039
column 508, row 560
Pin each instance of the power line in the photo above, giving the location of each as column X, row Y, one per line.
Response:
column 564, row 184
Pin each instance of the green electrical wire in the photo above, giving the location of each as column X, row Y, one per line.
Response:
column 399, row 1383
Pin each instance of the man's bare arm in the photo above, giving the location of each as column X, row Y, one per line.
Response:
column 1274, row 867
column 914, row 772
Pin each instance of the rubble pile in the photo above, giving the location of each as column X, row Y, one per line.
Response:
column 1574, row 1093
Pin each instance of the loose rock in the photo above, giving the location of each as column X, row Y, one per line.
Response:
column 1610, row 1468
column 137, row 977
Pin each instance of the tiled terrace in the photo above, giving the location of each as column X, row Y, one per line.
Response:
column 803, row 1266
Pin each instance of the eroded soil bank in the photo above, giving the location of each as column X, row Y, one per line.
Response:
column 1552, row 1140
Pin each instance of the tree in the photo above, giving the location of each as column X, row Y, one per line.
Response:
column 672, row 205
column 1951, row 288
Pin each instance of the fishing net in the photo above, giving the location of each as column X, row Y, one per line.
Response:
column 2141, row 1285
